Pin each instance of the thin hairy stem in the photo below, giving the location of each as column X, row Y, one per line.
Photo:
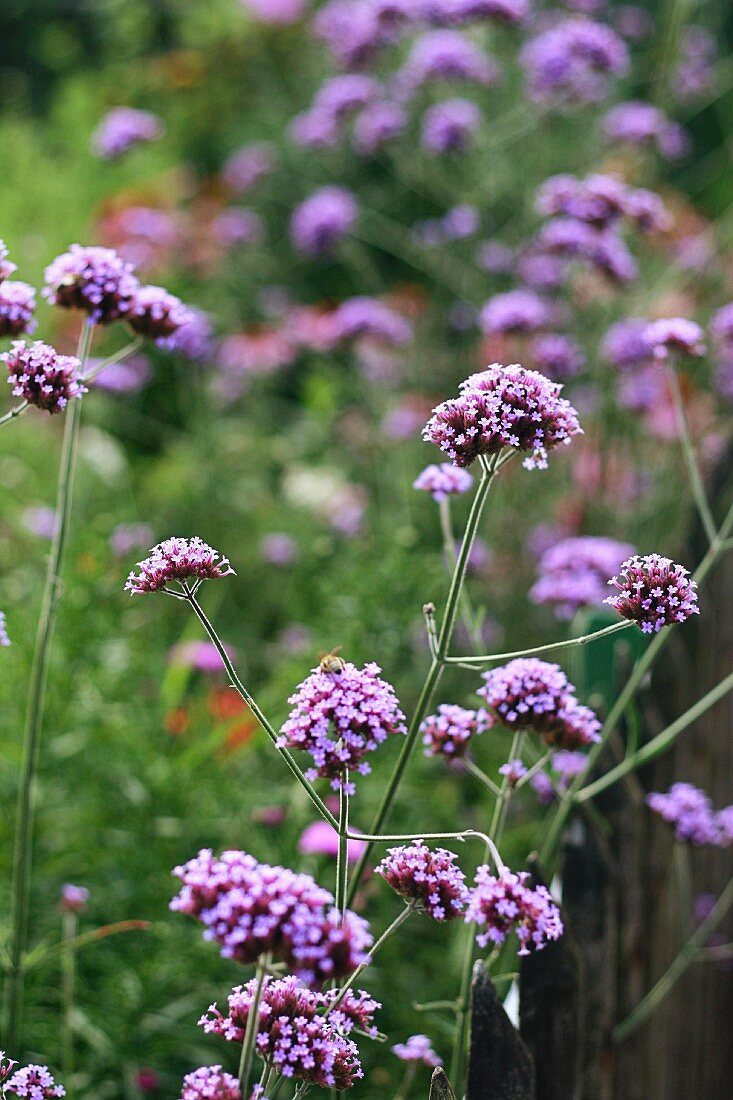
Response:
column 13, row 413
column 477, row 773
column 693, row 469
column 583, row 639
column 259, row 715
column 30, row 752
column 250, row 1032
column 69, row 931
column 113, row 360
column 342, row 858
column 442, row 642
column 687, row 955
column 389, row 931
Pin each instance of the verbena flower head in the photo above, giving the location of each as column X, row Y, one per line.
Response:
column 365, row 316
column 41, row 376
column 322, row 220
column 515, row 311
column 654, row 592
column 602, row 248
column 676, row 334
column 290, row 1033
column 17, row 303
column 210, row 1083
column 417, row 1049
column 94, row 280
column 178, row 559
column 122, row 129
column 642, row 124
column 601, row 200
column 33, row 1082
column 500, row 905
column 513, row 771
column 249, row 908
column 429, row 877
column 156, row 314
column 7, row 267
column 530, row 694
column 556, row 355
column 443, row 480
column 447, row 55
column 194, row 338
column 503, row 408
column 690, row 811
column 340, row 713
column 448, row 127
column 73, row 899
column 377, row 125
column 356, row 1010
column 247, row 166
column 573, row 60
column 626, row 344
column 574, row 573
column 449, row 732
column 4, row 639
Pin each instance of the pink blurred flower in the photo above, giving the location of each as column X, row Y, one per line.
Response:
column 321, row 839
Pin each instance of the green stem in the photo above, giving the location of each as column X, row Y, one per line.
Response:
column 118, row 357
column 436, row 666
column 259, row 715
column 693, row 470
column 250, row 1032
column 23, row 844
column 477, row 773
column 11, row 415
column 68, row 981
column 342, row 858
column 583, row 639
column 390, row 930
column 658, row 992
column 658, row 744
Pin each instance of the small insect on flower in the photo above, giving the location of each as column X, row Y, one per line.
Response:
column 331, row 662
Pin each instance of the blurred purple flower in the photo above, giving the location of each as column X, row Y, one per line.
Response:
column 122, row 129
column 448, row 127
column 247, row 166
column 321, row 839
column 17, row 304
column 279, row 549
column 322, row 220
column 417, row 1049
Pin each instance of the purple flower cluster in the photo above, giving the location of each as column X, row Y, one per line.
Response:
column 518, row 310
column 250, row 908
column 691, row 812
column 694, row 73
column 447, row 55
column 556, row 355
column 644, row 125
column 17, row 304
column 505, row 903
column 417, row 1049
column 449, row 732
column 7, row 267
column 443, row 480
column 456, row 224
column 448, row 127
column 73, row 898
column 122, row 129
column 626, row 344
column 513, row 771
column 574, row 573
column 33, row 1082
column 94, row 280
column 339, row 715
column 291, row 1032
column 247, row 166
column 503, row 407
column 41, row 376
column 322, row 220
column 601, row 201
column 377, row 125
column 573, row 61
column 654, row 592
column 194, row 339
column 177, row 559
column 156, row 314
column 530, row 694
column 431, row 879
column 579, row 241
column 364, row 316
column 675, row 334
column 210, row 1083
column 4, row 639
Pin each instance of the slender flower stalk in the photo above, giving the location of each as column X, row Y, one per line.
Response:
column 690, row 951
column 408, row 910
column 69, row 932
column 113, row 360
column 342, row 858
column 250, row 1033
column 693, row 469
column 259, row 715
column 23, row 844
column 439, row 660
column 497, row 658
column 13, row 413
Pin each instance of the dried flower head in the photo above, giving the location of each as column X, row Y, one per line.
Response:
column 178, row 560
column 449, row 732
column 210, row 1083
column 41, row 376
column 505, row 903
column 291, row 1033
column 17, row 303
column 654, row 592
column 95, row 280
column 427, row 877
column 339, row 716
column 503, row 408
